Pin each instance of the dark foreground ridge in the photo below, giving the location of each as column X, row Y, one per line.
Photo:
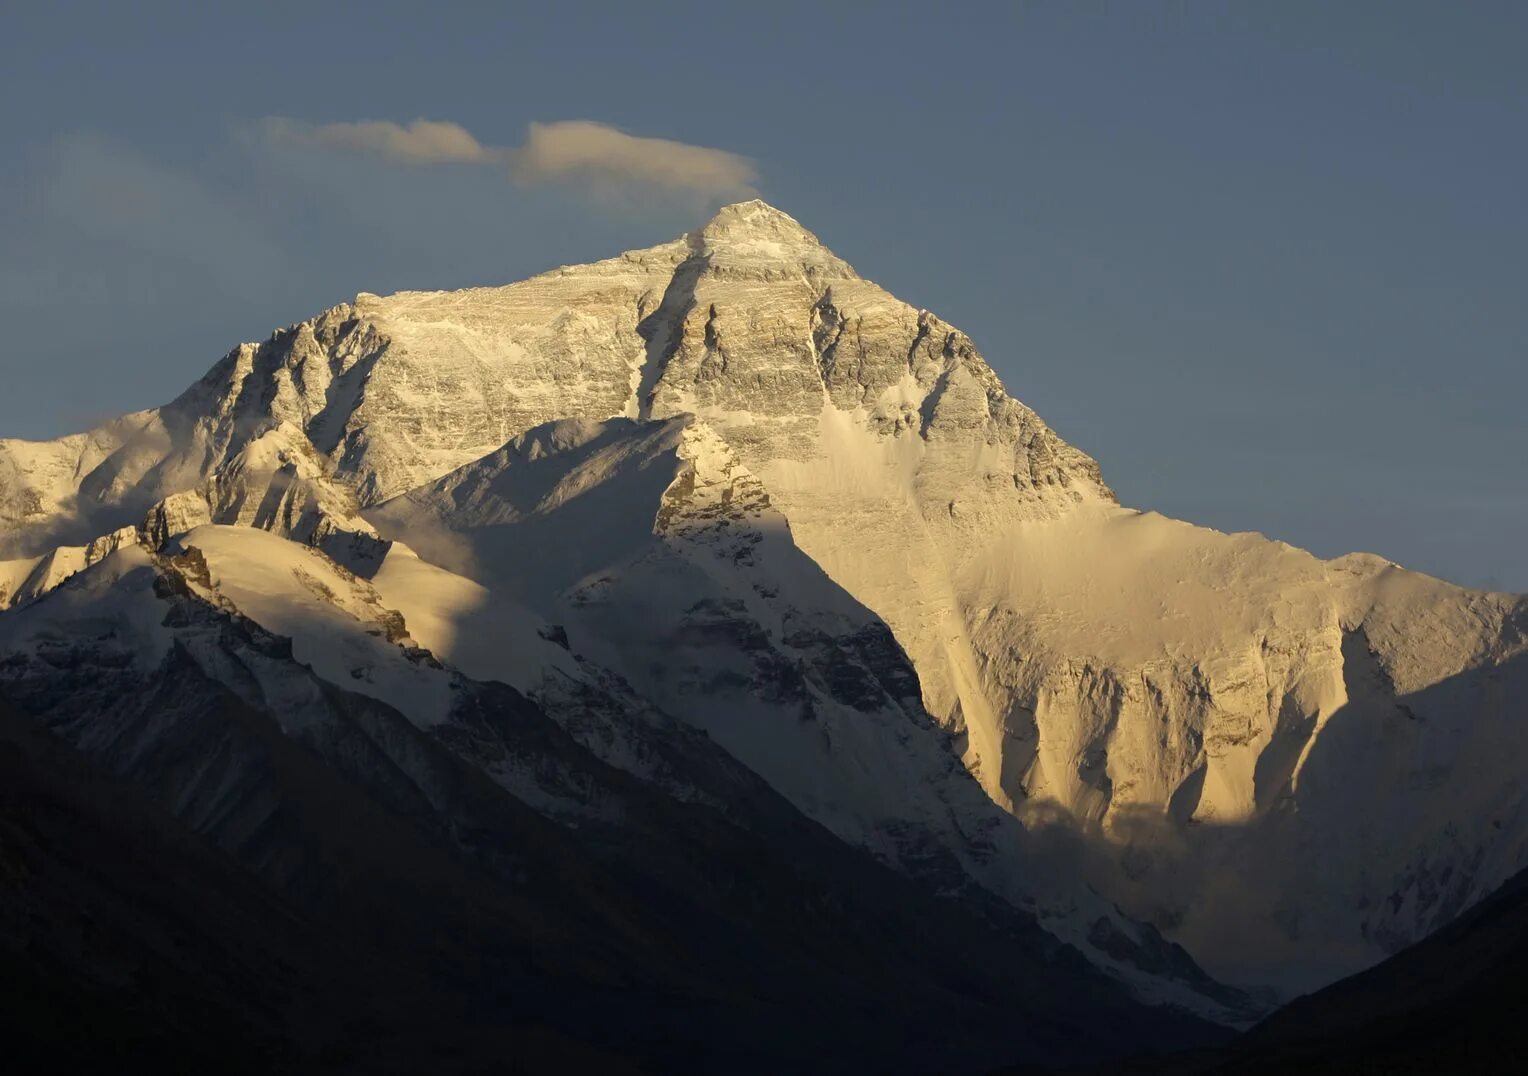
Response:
column 201, row 890
column 1450, row 1003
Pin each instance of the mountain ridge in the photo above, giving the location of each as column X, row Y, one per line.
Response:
column 1160, row 700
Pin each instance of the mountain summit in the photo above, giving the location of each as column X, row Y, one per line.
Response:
column 756, row 221
column 774, row 502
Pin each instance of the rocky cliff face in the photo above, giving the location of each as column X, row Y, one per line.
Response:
column 1291, row 766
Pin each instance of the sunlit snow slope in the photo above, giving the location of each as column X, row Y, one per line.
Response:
column 1290, row 766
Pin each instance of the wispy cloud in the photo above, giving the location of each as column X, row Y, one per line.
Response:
column 581, row 150
column 420, row 142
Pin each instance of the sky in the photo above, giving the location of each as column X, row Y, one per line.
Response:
column 1267, row 263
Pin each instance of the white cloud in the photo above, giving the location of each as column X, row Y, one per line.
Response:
column 608, row 158
column 420, row 142
column 599, row 152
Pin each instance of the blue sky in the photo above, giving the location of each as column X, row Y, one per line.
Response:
column 1268, row 263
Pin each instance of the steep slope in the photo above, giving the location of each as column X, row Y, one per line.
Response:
column 1191, row 719
column 237, row 443
column 1448, row 1003
column 661, row 559
column 514, row 878
column 125, row 938
column 1326, row 751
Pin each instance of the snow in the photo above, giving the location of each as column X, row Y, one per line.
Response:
column 695, row 593
column 336, row 622
column 487, row 637
column 26, row 579
column 112, row 605
column 1291, row 766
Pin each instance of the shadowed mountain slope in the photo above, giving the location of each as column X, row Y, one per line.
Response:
column 681, row 935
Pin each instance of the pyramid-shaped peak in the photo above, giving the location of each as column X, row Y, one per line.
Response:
column 754, row 236
column 756, row 219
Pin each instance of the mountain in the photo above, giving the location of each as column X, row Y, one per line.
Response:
column 729, row 485
column 457, row 882
column 126, row 939
column 1447, row 1004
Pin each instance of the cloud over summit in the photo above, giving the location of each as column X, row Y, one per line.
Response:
column 581, row 147
column 604, row 156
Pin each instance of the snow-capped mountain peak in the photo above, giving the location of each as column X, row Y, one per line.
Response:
column 731, row 468
column 756, row 233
